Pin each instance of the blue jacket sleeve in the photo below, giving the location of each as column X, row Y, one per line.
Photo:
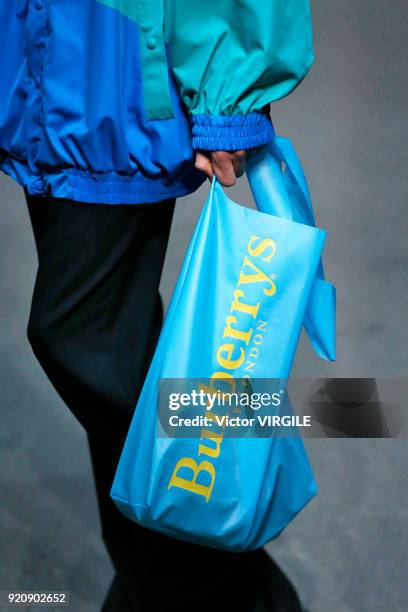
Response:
column 231, row 59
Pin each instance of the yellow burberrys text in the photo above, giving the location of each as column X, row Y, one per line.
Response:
column 231, row 355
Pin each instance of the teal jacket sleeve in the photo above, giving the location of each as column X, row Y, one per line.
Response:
column 232, row 58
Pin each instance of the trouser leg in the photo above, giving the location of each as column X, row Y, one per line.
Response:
column 96, row 312
column 95, row 318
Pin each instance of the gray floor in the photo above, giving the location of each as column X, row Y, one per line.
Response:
column 348, row 551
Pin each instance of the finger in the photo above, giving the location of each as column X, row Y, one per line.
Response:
column 238, row 162
column 203, row 163
column 223, row 168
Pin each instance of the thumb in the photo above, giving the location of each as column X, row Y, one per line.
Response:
column 203, row 163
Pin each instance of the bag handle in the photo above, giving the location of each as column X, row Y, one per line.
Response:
column 279, row 187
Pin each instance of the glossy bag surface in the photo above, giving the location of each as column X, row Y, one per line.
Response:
column 245, row 284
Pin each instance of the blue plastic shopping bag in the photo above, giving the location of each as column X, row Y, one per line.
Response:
column 245, row 289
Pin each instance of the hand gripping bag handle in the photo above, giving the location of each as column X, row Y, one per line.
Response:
column 280, row 188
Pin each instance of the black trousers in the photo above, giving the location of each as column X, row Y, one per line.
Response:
column 95, row 318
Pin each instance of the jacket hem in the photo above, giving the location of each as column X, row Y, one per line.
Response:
column 101, row 188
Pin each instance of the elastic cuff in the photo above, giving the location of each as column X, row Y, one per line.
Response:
column 231, row 133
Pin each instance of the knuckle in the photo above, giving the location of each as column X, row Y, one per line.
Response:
column 228, row 182
column 222, row 155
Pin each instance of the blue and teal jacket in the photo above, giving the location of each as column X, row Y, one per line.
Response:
column 106, row 100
